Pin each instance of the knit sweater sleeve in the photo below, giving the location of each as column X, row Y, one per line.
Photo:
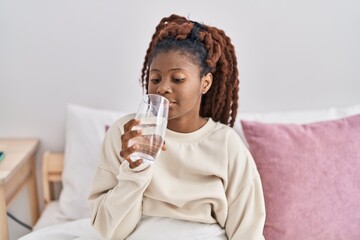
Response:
column 246, row 208
column 117, row 191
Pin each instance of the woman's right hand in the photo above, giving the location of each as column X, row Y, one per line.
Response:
column 125, row 138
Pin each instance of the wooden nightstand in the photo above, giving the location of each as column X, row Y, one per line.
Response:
column 17, row 170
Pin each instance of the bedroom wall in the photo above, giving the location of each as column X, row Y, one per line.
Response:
column 292, row 55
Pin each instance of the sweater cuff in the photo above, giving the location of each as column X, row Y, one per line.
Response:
column 140, row 173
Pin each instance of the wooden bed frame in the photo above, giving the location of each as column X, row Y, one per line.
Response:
column 52, row 168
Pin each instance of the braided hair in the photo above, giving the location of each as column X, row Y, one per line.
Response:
column 212, row 51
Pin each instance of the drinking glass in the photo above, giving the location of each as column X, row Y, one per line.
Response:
column 152, row 113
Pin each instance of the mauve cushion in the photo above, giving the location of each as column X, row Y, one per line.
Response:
column 311, row 178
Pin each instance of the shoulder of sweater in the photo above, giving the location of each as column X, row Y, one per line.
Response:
column 233, row 137
column 111, row 145
column 118, row 125
column 228, row 131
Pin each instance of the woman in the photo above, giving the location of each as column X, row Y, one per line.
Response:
column 205, row 184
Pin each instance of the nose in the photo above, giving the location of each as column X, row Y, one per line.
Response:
column 163, row 88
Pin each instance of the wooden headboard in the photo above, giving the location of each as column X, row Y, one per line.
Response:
column 52, row 168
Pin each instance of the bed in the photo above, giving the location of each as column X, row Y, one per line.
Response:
column 309, row 163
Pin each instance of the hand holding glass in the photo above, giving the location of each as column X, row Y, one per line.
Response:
column 152, row 113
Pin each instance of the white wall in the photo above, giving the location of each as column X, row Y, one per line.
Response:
column 292, row 55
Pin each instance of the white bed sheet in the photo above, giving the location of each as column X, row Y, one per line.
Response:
column 149, row 228
column 51, row 215
column 52, row 225
column 79, row 229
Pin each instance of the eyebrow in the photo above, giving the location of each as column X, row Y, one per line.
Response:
column 173, row 69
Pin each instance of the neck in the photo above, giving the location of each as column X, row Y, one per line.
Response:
column 186, row 125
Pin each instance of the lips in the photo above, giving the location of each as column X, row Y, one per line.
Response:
column 171, row 102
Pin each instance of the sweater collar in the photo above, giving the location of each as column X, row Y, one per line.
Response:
column 193, row 136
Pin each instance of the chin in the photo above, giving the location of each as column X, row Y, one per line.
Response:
column 172, row 115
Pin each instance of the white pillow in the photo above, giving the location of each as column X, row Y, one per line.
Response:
column 297, row 117
column 85, row 130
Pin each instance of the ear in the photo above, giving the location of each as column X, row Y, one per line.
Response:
column 206, row 82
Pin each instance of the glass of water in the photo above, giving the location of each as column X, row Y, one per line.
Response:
column 152, row 113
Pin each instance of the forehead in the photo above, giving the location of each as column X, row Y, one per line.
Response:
column 173, row 59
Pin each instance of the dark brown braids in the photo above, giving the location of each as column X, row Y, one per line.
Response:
column 212, row 50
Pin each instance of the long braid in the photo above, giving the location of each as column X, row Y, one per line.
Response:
column 233, row 81
column 221, row 101
column 225, row 91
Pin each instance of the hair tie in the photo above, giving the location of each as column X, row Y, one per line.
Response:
column 194, row 35
column 198, row 25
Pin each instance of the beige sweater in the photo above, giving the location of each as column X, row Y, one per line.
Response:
column 205, row 176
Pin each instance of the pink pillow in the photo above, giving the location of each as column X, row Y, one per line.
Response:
column 311, row 178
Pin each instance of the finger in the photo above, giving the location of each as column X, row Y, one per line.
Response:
column 135, row 163
column 131, row 134
column 125, row 138
column 126, row 152
column 130, row 124
column 163, row 147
